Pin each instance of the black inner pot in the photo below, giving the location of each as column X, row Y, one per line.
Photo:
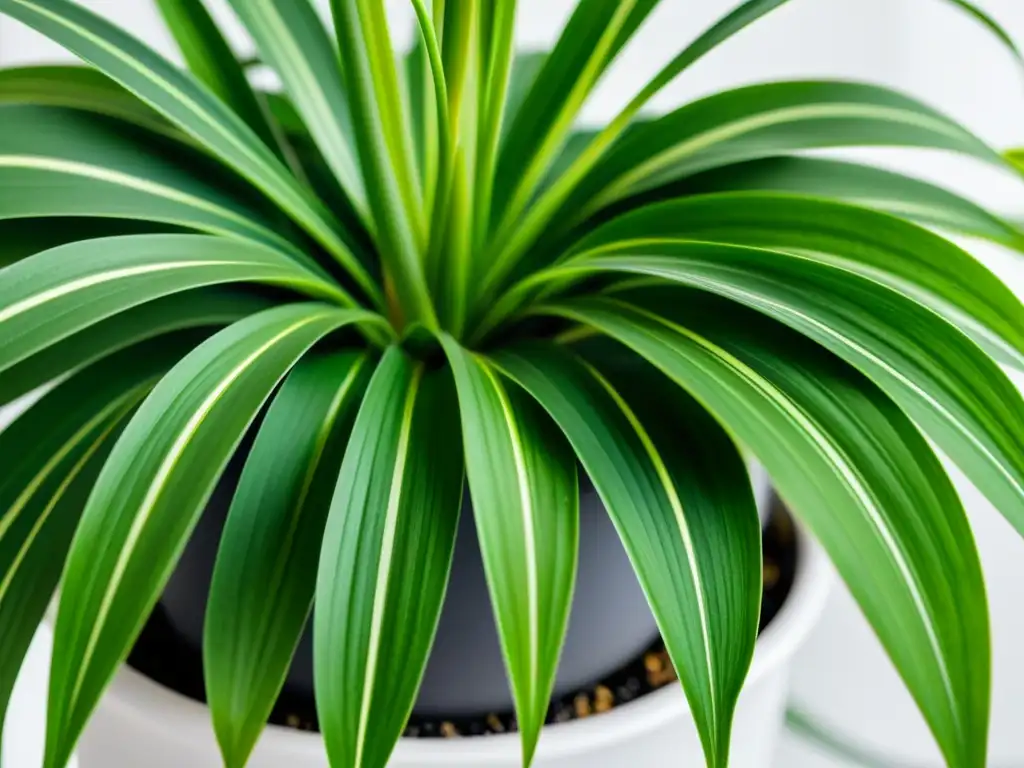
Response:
column 166, row 657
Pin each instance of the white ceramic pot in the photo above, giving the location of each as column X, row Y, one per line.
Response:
column 140, row 723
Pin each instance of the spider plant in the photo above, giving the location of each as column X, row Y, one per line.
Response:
column 410, row 273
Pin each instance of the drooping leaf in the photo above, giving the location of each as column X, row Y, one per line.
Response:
column 955, row 392
column 862, row 185
column 769, row 119
column 522, row 478
column 150, row 495
column 189, row 105
column 82, row 88
column 21, row 238
column 294, row 43
column 989, row 22
column 52, row 455
column 907, row 258
column 679, row 496
column 265, row 574
column 55, row 294
column 861, row 477
column 202, row 308
column 210, row 58
column 57, row 161
column 385, row 560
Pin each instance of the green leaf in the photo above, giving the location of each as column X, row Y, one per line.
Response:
column 385, row 560
column 190, row 106
column 764, row 120
column 862, row 185
column 57, row 161
column 685, row 513
column 265, row 576
column 202, row 308
column 55, row 294
column 385, row 149
column 526, row 67
column 293, row 41
column 987, row 21
column 586, row 156
column 858, row 473
column 522, row 477
column 150, row 496
column 907, row 258
column 594, row 35
column 81, row 88
column 21, row 238
column 421, row 104
column 209, row 57
column 956, row 393
column 52, row 455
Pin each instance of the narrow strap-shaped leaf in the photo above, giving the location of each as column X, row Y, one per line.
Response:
column 385, row 148
column 592, row 38
column 52, row 295
column 292, row 40
column 52, row 455
column 210, row 58
column 202, row 308
column 81, row 88
column 265, row 574
column 863, row 185
column 908, row 258
column 150, row 495
column 949, row 386
column 58, row 161
column 189, row 105
column 678, row 493
column 522, row 477
column 526, row 67
column 762, row 120
column 385, row 560
column 858, row 473
column 421, row 102
column 569, row 177
column 989, row 22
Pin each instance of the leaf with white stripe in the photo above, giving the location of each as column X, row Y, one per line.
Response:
column 265, row 575
column 83, row 88
column 150, row 495
column 385, row 559
column 292, row 40
column 208, row 308
column 21, row 238
column 958, row 396
column 210, row 58
column 677, row 490
column 522, row 478
column 764, row 120
column 884, row 248
column 50, row 296
column 860, row 476
column 52, row 455
column 862, row 185
column 189, row 105
column 59, row 161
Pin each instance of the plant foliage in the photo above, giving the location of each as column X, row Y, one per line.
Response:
column 417, row 271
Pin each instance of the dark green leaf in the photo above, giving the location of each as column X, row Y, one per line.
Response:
column 522, row 477
column 265, row 575
column 52, row 455
column 150, row 495
column 685, row 514
column 862, row 478
column 385, row 560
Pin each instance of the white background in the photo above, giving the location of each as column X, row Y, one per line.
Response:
column 917, row 45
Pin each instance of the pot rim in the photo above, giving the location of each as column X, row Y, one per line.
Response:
column 135, row 696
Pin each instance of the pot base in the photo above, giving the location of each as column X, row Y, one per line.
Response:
column 163, row 656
